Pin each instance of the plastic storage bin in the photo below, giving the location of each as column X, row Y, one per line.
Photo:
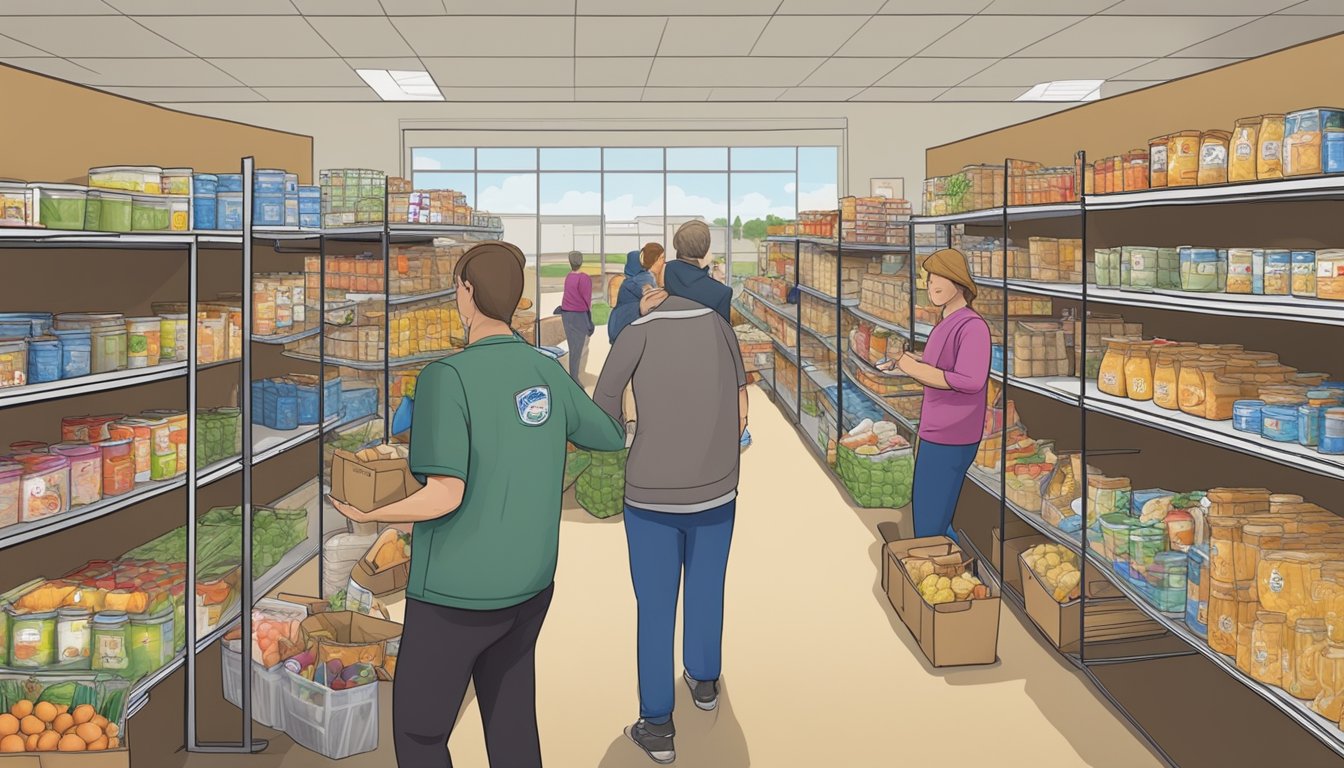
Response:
column 44, row 359
column 1246, row 415
column 335, row 724
column 268, row 686
column 268, row 211
column 145, row 179
column 229, row 182
column 229, row 211
column 75, row 348
column 58, row 206
column 269, row 182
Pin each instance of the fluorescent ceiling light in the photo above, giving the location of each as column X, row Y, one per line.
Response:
column 401, row 85
column 1064, row 90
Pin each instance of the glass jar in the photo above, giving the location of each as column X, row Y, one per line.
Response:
column 1111, row 375
column 118, row 467
column 72, row 638
column 1138, row 370
column 1267, row 644
column 1165, row 381
column 1329, row 702
column 1167, row 581
column 1107, row 496
column 1222, row 617
column 1224, row 534
column 1247, row 550
column 111, row 652
column 151, row 642
column 1306, row 642
column 32, row 639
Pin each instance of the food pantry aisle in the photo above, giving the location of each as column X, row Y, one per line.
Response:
column 818, row 668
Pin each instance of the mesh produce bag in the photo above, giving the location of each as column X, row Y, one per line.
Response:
column 880, row 480
column 601, row 488
column 576, row 461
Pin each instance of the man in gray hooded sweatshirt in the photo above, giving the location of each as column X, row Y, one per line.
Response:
column 680, row 492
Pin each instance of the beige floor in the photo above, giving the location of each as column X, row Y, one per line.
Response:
column 818, row 670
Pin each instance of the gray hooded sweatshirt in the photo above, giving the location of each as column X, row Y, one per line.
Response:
column 687, row 370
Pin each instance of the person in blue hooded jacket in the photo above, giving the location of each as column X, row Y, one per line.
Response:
column 639, row 279
column 689, row 278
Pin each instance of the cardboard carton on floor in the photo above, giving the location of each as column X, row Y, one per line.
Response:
column 951, row 634
column 380, row 571
column 1108, row 617
column 368, row 483
column 108, row 758
column 1021, row 537
column 349, row 637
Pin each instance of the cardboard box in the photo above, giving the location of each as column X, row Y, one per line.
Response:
column 1019, row 541
column 951, row 634
column 108, row 758
column 348, row 636
column 368, row 485
column 386, row 580
column 1107, row 617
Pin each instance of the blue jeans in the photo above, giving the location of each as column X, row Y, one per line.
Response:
column 939, row 472
column 662, row 546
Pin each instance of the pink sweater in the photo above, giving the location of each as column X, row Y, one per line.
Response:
column 959, row 347
column 578, row 293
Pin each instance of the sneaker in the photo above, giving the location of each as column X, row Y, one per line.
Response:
column 655, row 740
column 705, row 693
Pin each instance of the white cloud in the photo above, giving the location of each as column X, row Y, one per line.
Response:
column 790, row 187
column 680, row 203
column 754, row 205
column 517, row 195
column 574, row 203
column 423, row 163
column 824, row 198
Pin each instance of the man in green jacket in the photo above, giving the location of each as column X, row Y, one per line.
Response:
column 488, row 438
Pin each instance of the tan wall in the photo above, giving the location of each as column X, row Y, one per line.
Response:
column 1296, row 78
column 59, row 130
column 884, row 139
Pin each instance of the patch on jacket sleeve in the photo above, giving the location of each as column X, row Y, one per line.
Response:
column 534, row 405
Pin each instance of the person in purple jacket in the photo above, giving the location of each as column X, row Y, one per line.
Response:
column 954, row 369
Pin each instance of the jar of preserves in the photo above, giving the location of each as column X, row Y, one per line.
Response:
column 73, row 638
column 1224, row 536
column 1302, row 654
column 1138, row 370
column 1111, row 378
column 118, row 467
column 1165, row 381
column 111, row 651
column 1222, row 615
column 1329, row 702
column 1267, row 644
column 32, row 639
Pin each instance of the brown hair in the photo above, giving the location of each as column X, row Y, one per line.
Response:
column 495, row 271
column 692, row 240
column 650, row 254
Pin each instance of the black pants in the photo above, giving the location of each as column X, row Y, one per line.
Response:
column 442, row 649
column 578, row 327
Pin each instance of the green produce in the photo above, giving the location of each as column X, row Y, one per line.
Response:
column 576, row 461
column 60, row 693
column 61, row 212
column 601, row 488
column 882, row 480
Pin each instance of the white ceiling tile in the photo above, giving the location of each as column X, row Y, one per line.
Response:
column 934, row 71
column 361, row 36
column 745, row 94
column 362, row 93
column 88, row 36
column 155, row 72
column 898, row 35
column 207, row 7
column 1197, row 7
column 414, row 7
column 819, row 94
column 850, row 72
column 507, row 94
column 488, row 35
column 713, row 72
column 981, row 94
column 608, row 94
column 10, row 47
column 1117, row 87
column 829, row 7
column 341, row 7
column 187, row 95
column 52, row 66
column 676, row 94
column 700, row 36
column 1268, row 34
column 879, row 93
column 1170, row 69
column 385, row 62
column 503, row 72
column 806, row 35
column 1029, row 72
column 677, row 7
column 1321, row 7
column 618, row 35
column 511, row 7
column 999, row 35
column 1047, row 7
column 291, row 72
column 51, row 8
column 907, row 7
column 232, row 36
column 1132, row 36
column 613, row 71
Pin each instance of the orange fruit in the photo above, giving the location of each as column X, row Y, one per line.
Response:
column 63, row 723
column 112, row 730
column 89, row 732
column 9, row 725
column 46, row 742
column 22, row 708
column 45, row 711
column 99, row 721
column 83, row 714
column 71, row 743
column 30, row 725
column 12, row 743
column 30, row 743
column 62, row 709
column 98, row 744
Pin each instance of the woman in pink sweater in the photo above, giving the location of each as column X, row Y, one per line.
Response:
column 954, row 369
column 576, row 312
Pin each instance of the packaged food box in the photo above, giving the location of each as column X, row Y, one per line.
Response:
column 1108, row 617
column 372, row 478
column 958, row 633
column 336, row 641
column 386, row 567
